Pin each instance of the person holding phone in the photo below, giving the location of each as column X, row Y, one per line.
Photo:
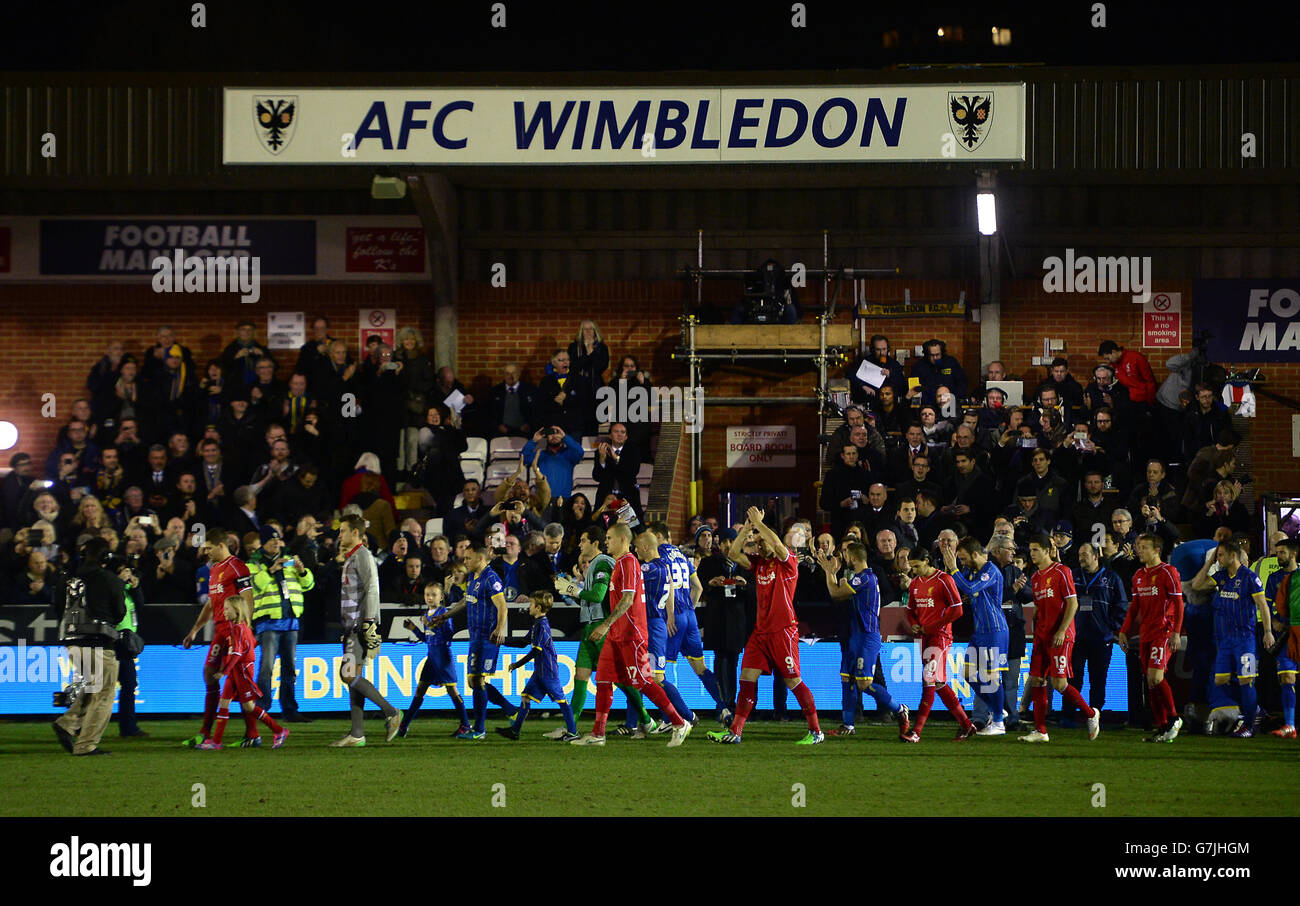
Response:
column 279, row 581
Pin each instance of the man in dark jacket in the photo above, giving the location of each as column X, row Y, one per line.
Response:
column 617, row 464
column 92, row 655
column 514, row 405
column 938, row 369
column 724, row 623
column 844, row 489
column 882, row 357
column 1204, row 422
column 563, row 398
column 1103, row 604
column 1068, row 390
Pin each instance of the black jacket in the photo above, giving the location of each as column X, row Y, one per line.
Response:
column 105, row 599
column 527, row 407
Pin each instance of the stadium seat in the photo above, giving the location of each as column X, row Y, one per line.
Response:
column 433, row 528
column 645, row 473
column 472, row 469
column 498, row 471
column 475, row 448
column 589, row 447
column 409, row 500
column 503, row 448
column 582, row 472
column 587, row 489
column 645, row 498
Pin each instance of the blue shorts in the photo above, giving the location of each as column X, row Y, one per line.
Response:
column 987, row 651
column 482, row 657
column 1285, row 664
column 858, row 657
column 658, row 647
column 1236, row 655
column 687, row 640
column 539, row 687
column 439, row 669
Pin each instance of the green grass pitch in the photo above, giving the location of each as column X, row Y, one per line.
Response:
column 429, row 773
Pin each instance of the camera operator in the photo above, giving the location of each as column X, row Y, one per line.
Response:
column 102, row 604
column 128, row 646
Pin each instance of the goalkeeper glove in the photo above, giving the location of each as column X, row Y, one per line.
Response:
column 371, row 633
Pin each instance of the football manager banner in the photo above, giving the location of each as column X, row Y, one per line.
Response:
column 1249, row 320
column 770, row 124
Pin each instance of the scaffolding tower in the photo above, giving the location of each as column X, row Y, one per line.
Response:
column 820, row 344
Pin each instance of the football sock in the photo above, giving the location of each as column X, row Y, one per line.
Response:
column 803, row 695
column 521, row 715
column 1288, row 704
column 954, row 707
column 223, row 715
column 566, row 712
column 1156, row 699
column 362, row 686
column 260, row 715
column 460, row 706
column 883, row 698
column 579, row 700
column 250, row 724
column 1249, row 705
column 413, row 709
column 711, row 686
column 679, row 703
column 1074, row 697
column 848, row 701
column 927, row 702
column 1041, row 703
column 358, row 713
column 496, row 697
column 210, row 699
column 1167, row 696
column 480, row 708
column 656, row 694
column 604, row 698
column 744, row 705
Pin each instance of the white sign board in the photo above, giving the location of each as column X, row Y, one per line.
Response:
column 286, row 329
column 944, row 123
column 1295, row 436
column 760, row 447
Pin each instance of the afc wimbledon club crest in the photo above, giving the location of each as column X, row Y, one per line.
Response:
column 971, row 114
column 275, row 121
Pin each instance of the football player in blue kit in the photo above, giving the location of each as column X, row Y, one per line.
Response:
column 439, row 668
column 546, row 671
column 657, row 577
column 986, row 655
column 682, row 624
column 485, row 602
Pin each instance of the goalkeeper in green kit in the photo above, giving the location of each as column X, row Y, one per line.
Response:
column 593, row 598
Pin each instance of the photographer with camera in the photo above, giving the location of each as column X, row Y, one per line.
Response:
column 555, row 460
column 88, row 606
column 128, row 646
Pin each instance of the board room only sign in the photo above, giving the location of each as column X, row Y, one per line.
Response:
column 760, row 446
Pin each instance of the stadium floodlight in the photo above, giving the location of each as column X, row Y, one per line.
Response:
column 8, row 435
column 986, row 207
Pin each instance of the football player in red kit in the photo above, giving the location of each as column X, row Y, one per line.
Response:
column 933, row 602
column 1055, row 603
column 1157, row 609
column 237, row 666
column 229, row 578
column 773, row 646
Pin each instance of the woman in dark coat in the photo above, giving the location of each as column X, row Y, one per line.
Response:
column 439, row 449
column 415, row 382
column 589, row 360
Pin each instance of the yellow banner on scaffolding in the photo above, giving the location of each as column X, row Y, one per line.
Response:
column 954, row 308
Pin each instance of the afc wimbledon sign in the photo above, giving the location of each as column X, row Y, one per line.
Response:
column 839, row 123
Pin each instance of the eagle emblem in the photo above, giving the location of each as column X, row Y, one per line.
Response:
column 276, row 119
column 971, row 115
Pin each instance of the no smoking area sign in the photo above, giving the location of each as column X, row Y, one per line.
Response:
column 1162, row 321
column 380, row 322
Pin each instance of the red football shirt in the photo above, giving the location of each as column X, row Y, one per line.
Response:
column 627, row 577
column 775, row 580
column 229, row 577
column 1157, row 602
column 934, row 603
column 237, row 639
column 1051, row 587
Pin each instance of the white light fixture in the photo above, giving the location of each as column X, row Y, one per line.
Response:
column 8, row 435
column 986, row 207
column 941, row 32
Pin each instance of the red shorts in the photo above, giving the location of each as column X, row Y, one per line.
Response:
column 773, row 652
column 1052, row 662
column 1154, row 651
column 216, row 654
column 240, row 685
column 625, row 661
column 934, row 659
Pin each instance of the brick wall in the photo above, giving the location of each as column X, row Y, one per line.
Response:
column 53, row 334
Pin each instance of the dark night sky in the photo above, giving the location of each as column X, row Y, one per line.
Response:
column 628, row 35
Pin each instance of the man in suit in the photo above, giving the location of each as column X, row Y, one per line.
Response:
column 514, row 405
column 617, row 464
column 900, row 460
column 244, row 518
column 844, row 490
column 156, row 481
column 563, row 398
